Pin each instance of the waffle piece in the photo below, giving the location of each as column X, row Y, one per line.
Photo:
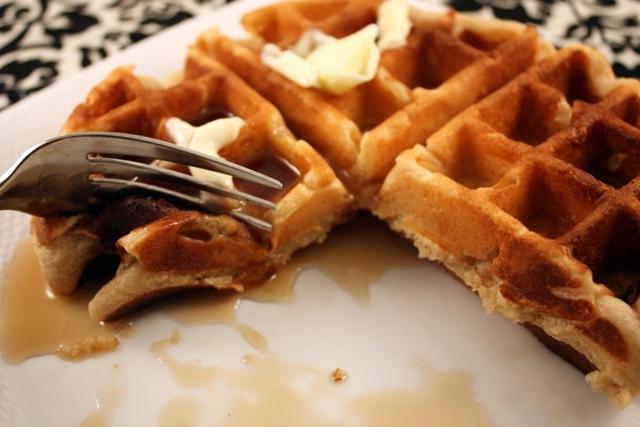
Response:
column 163, row 248
column 449, row 62
column 532, row 198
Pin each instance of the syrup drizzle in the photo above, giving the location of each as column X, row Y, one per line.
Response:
column 107, row 402
column 441, row 398
column 269, row 391
column 62, row 325
column 341, row 257
column 68, row 326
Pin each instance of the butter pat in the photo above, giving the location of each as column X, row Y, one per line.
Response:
column 310, row 40
column 207, row 139
column 347, row 62
column 394, row 24
column 327, row 63
column 290, row 65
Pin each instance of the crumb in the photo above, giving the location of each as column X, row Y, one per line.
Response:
column 338, row 375
column 87, row 346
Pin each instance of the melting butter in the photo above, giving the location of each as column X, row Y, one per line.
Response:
column 338, row 65
column 327, row 63
column 208, row 139
column 346, row 62
column 290, row 65
column 394, row 23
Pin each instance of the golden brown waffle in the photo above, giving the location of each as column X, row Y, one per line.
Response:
column 164, row 249
column 532, row 198
column 449, row 62
column 528, row 192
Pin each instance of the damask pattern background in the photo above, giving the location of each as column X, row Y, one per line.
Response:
column 612, row 26
column 41, row 40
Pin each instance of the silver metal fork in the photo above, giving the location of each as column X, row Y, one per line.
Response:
column 77, row 172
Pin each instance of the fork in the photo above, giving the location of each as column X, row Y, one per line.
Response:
column 77, row 172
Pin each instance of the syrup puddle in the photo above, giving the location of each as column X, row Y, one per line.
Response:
column 34, row 322
column 354, row 256
column 269, row 391
column 107, row 402
column 213, row 308
column 181, row 411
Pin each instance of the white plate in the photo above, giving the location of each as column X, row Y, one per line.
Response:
column 416, row 314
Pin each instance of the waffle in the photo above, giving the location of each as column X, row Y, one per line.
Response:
column 159, row 248
column 532, row 199
column 449, row 62
column 514, row 165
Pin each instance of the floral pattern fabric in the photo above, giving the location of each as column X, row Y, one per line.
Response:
column 41, row 40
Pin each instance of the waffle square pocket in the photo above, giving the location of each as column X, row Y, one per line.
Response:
column 156, row 247
column 531, row 198
column 449, row 61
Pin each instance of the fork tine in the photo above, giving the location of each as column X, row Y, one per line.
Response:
column 123, row 144
column 112, row 166
column 107, row 182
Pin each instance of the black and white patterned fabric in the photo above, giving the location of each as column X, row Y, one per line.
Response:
column 41, row 40
column 612, row 26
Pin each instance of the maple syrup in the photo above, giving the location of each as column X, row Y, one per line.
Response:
column 341, row 257
column 34, row 322
column 443, row 399
column 107, row 402
column 265, row 392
